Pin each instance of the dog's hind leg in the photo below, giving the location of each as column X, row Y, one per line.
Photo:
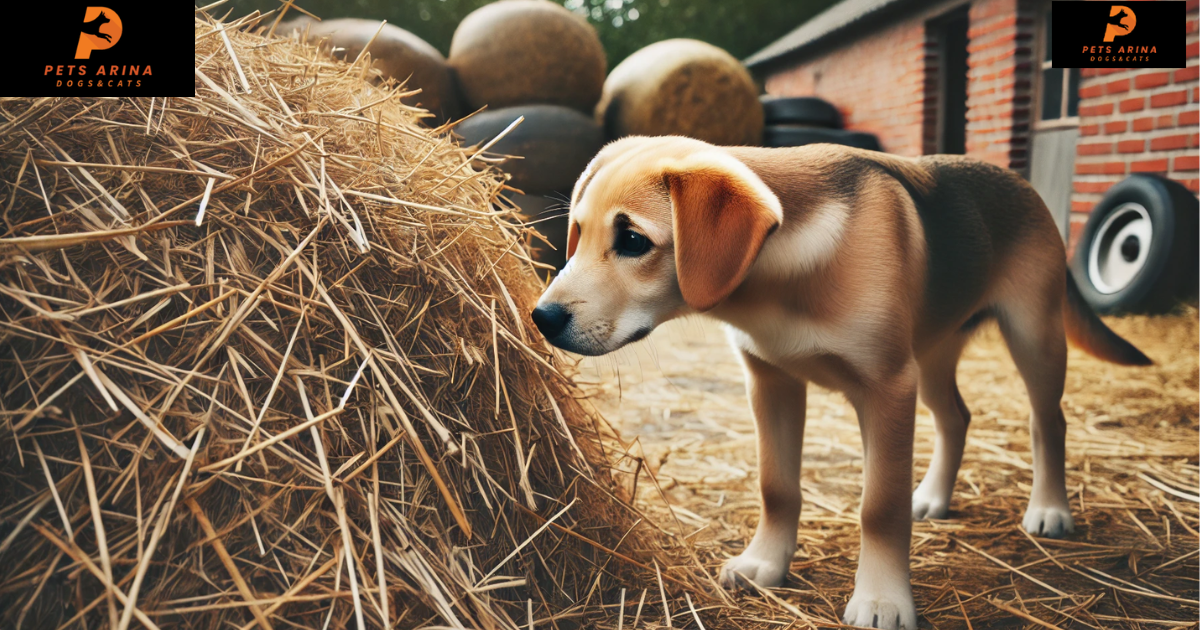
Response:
column 1032, row 325
column 939, row 391
column 777, row 401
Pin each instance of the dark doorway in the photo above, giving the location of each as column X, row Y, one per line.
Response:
column 951, row 33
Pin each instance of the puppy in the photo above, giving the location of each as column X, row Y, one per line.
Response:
column 858, row 271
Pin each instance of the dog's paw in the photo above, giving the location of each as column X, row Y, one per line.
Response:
column 889, row 611
column 1051, row 522
column 927, row 504
column 763, row 571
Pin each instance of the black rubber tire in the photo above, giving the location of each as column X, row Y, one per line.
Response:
column 548, row 215
column 555, row 142
column 800, row 110
column 798, row 136
column 1171, row 256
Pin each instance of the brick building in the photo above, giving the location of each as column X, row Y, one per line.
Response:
column 975, row 77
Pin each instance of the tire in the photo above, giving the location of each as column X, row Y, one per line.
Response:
column 797, row 136
column 804, row 110
column 548, row 215
column 556, row 144
column 1138, row 250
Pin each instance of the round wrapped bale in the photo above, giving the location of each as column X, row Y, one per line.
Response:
column 397, row 53
column 682, row 87
column 554, row 143
column 528, row 51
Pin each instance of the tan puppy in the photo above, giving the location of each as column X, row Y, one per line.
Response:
column 858, row 271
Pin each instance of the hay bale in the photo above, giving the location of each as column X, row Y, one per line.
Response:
column 682, row 87
column 396, row 53
column 528, row 51
column 267, row 358
column 552, row 145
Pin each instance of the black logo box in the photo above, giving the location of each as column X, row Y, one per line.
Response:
column 1157, row 39
column 159, row 34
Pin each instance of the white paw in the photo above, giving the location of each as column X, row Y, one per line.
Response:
column 890, row 611
column 929, row 504
column 767, row 572
column 1051, row 522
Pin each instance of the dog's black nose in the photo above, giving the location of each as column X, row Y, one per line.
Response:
column 551, row 319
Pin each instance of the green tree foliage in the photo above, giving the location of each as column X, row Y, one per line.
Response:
column 739, row 26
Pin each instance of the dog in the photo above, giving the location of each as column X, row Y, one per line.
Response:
column 93, row 27
column 858, row 271
column 1116, row 20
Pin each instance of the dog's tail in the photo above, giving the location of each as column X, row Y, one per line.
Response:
column 1086, row 330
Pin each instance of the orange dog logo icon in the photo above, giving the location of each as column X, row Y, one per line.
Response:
column 91, row 37
column 1117, row 24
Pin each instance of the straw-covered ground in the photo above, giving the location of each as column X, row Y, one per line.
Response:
column 1132, row 471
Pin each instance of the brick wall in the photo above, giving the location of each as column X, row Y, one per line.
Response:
column 999, row 82
column 885, row 82
column 1136, row 121
column 877, row 82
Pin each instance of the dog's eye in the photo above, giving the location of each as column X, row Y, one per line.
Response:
column 630, row 243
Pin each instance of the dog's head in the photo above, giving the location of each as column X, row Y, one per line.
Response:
column 659, row 227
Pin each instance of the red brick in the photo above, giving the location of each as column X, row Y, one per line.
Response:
column 1091, row 91
column 1166, row 143
column 1114, row 127
column 1152, row 79
column 1149, row 166
column 1133, row 104
column 1089, row 130
column 1187, row 163
column 1117, row 87
column 1099, row 148
column 1165, row 122
column 1191, row 184
column 1168, row 99
column 1100, row 168
column 1131, row 146
column 1143, row 124
column 1079, row 206
column 1187, row 74
column 1102, row 109
column 1193, row 49
column 1189, row 117
column 1094, row 187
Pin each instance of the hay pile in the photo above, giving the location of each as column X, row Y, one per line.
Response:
column 266, row 362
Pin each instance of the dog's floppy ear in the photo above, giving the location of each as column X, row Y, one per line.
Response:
column 722, row 212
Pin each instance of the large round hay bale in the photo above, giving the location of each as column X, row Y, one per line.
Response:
column 269, row 364
column 682, row 87
column 528, row 51
column 397, row 53
column 554, row 144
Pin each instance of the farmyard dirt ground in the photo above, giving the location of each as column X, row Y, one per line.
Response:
column 1132, row 472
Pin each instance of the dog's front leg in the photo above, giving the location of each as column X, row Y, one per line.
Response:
column 777, row 401
column 882, row 593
